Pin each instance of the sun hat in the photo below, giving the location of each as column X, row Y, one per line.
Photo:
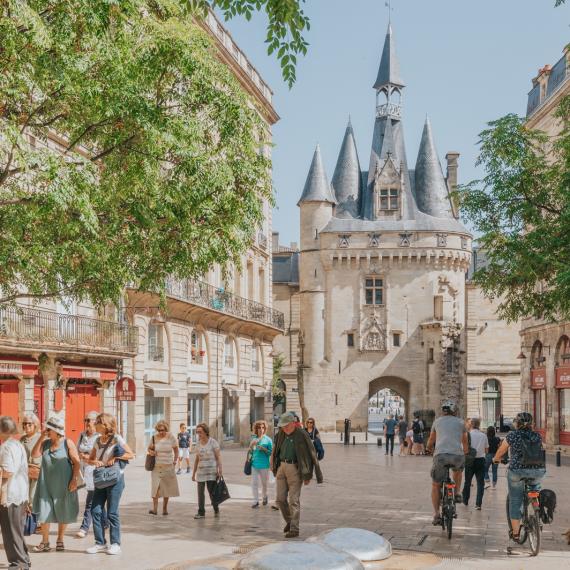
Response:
column 55, row 423
column 286, row 419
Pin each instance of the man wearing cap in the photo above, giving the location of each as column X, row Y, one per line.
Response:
column 293, row 460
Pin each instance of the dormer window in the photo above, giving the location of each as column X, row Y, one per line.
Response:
column 389, row 199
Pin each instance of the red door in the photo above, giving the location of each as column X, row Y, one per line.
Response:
column 10, row 398
column 80, row 399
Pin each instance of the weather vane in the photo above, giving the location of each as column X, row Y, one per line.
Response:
column 388, row 4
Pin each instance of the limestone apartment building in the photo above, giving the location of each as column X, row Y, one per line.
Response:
column 545, row 347
column 207, row 358
column 377, row 295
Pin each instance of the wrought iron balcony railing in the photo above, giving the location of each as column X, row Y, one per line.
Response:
column 40, row 326
column 205, row 295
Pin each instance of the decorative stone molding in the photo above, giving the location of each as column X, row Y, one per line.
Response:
column 344, row 240
column 372, row 331
column 464, row 242
column 441, row 240
column 405, row 239
column 374, row 240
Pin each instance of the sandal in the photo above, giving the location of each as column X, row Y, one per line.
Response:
column 164, row 513
column 59, row 546
column 151, row 512
column 42, row 547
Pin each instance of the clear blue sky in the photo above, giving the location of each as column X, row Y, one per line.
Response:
column 464, row 62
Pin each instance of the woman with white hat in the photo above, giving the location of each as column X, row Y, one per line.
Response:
column 56, row 493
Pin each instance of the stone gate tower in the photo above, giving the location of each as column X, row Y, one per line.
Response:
column 382, row 269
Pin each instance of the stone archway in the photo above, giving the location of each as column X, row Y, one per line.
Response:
column 394, row 383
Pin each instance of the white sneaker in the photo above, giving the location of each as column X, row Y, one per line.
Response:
column 114, row 549
column 96, row 548
column 81, row 534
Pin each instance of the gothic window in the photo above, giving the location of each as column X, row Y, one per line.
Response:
column 438, row 307
column 389, row 199
column 373, row 291
column 396, row 339
column 350, row 340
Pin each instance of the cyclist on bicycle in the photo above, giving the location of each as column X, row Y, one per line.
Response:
column 517, row 440
column 449, row 436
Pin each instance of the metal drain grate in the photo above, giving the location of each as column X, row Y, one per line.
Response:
column 405, row 542
column 250, row 546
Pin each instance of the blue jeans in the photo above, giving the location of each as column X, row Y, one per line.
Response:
column 493, row 466
column 87, row 518
column 111, row 496
column 516, row 488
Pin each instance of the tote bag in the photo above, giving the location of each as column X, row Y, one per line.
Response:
column 220, row 492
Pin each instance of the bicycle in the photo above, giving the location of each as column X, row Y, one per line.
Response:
column 448, row 510
column 530, row 525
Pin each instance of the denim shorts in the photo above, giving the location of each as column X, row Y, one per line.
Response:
column 438, row 470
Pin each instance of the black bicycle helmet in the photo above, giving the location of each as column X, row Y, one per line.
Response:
column 523, row 420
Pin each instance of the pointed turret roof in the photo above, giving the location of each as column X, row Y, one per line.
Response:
column 431, row 189
column 317, row 188
column 389, row 70
column 347, row 177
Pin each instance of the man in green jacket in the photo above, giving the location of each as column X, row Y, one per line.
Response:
column 293, row 460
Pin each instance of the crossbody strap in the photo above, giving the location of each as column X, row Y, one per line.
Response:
column 105, row 448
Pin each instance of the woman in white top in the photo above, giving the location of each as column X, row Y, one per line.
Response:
column 207, row 468
column 163, row 446
column 15, row 489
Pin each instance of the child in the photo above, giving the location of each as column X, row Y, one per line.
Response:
column 184, row 448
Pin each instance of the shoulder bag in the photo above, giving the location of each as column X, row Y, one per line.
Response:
column 150, row 460
column 108, row 475
column 79, row 478
column 248, row 462
column 471, row 454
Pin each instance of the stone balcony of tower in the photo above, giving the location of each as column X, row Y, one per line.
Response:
column 28, row 328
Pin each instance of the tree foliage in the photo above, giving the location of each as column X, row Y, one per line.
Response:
column 158, row 170
column 522, row 210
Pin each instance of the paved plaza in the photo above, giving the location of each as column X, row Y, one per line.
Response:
column 363, row 488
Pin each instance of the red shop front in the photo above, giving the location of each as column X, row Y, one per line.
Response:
column 563, row 393
column 12, row 370
column 538, row 386
column 83, row 395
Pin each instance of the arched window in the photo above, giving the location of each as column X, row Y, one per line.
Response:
column 491, row 403
column 229, row 353
column 536, row 358
column 563, row 351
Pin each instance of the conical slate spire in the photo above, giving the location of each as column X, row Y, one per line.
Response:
column 431, row 189
column 347, row 177
column 317, row 188
column 389, row 70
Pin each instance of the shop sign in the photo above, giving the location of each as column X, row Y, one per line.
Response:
column 563, row 377
column 126, row 390
column 538, row 378
column 10, row 368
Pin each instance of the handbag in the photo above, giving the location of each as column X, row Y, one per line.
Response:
column 220, row 492
column 30, row 524
column 248, row 462
column 471, row 454
column 108, row 475
column 150, row 460
column 79, row 480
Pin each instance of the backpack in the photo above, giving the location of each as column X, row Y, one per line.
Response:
column 547, row 500
column 532, row 454
column 417, row 427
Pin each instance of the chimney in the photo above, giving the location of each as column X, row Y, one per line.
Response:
column 274, row 241
column 451, row 157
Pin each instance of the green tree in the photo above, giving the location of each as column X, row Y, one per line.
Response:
column 522, row 210
column 157, row 170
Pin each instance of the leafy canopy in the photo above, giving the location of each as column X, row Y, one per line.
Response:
column 522, row 209
column 158, row 170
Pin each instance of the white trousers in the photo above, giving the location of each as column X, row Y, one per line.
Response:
column 256, row 476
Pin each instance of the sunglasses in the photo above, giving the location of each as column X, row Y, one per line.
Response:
column 161, row 430
column 27, row 423
column 311, row 423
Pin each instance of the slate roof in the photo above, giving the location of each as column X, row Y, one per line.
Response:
column 317, row 187
column 286, row 268
column 389, row 70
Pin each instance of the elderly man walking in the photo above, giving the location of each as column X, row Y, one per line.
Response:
column 293, row 460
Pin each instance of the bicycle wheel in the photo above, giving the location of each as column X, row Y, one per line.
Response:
column 449, row 520
column 533, row 531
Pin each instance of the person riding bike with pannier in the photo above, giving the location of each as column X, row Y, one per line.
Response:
column 449, row 436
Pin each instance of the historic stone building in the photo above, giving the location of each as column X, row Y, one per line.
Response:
column 382, row 266
column 545, row 347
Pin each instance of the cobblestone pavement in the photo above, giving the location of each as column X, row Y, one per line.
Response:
column 363, row 488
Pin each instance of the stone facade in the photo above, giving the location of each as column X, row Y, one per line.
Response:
column 544, row 354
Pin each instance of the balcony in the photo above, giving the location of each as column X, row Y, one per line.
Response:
column 210, row 297
column 26, row 327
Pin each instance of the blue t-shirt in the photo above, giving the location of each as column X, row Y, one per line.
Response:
column 261, row 458
column 514, row 439
column 184, row 440
column 390, row 426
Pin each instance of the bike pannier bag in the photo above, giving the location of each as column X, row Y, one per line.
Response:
column 547, row 500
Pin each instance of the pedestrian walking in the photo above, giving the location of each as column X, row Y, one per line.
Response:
column 476, row 467
column 402, row 430
column 32, row 431
column 313, row 433
column 207, row 468
column 409, row 441
column 55, row 499
column 164, row 447
column 418, row 447
column 494, row 443
column 108, row 450
column 15, row 492
column 293, row 461
column 184, row 448
column 85, row 444
column 261, row 447
column 390, row 433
